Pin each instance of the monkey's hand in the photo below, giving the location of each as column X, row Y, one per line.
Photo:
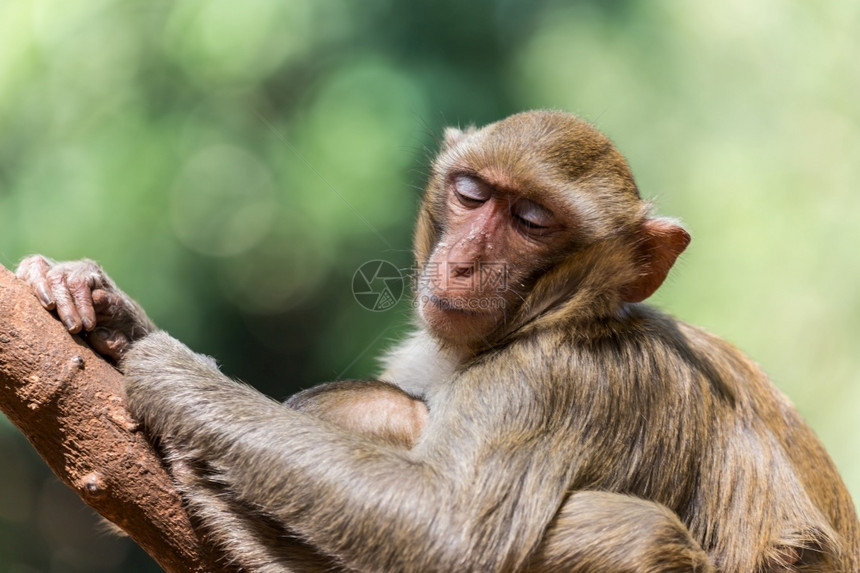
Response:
column 86, row 299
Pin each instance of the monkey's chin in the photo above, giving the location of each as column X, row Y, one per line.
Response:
column 459, row 320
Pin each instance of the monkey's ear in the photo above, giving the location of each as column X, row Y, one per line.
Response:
column 453, row 135
column 660, row 243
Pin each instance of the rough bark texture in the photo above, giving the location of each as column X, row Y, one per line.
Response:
column 70, row 405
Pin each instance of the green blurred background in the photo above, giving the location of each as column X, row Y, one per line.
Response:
column 232, row 164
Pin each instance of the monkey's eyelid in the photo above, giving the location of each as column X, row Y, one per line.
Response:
column 532, row 215
column 528, row 224
column 472, row 188
column 468, row 201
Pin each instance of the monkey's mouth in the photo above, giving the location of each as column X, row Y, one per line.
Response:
column 468, row 305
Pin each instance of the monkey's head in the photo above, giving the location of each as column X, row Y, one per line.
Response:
column 530, row 220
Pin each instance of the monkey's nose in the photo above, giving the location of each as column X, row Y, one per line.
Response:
column 461, row 270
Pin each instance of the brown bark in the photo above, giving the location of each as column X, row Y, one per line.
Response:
column 70, row 405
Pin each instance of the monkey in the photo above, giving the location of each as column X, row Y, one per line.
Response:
column 541, row 417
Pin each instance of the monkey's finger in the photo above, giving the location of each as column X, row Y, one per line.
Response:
column 106, row 303
column 80, row 290
column 65, row 305
column 33, row 270
column 108, row 342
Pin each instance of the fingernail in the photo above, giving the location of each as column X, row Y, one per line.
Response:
column 71, row 326
column 44, row 297
column 88, row 323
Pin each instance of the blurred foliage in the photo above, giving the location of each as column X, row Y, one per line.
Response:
column 231, row 165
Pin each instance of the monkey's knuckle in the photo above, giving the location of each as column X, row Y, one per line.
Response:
column 91, row 267
column 36, row 260
column 56, row 276
column 32, row 266
column 75, row 281
column 87, row 279
column 26, row 263
column 76, row 274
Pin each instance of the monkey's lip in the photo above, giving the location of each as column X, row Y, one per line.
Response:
column 468, row 306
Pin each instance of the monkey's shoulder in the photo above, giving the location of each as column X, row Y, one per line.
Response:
column 647, row 348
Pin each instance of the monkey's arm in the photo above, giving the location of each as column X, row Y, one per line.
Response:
column 369, row 407
column 456, row 505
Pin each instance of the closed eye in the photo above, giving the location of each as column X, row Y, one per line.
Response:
column 528, row 224
column 531, row 215
column 471, row 191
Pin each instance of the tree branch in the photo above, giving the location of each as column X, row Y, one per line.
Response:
column 70, row 405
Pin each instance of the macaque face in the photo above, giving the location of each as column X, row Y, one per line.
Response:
column 494, row 243
column 522, row 215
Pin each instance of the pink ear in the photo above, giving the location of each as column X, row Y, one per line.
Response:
column 452, row 136
column 660, row 243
